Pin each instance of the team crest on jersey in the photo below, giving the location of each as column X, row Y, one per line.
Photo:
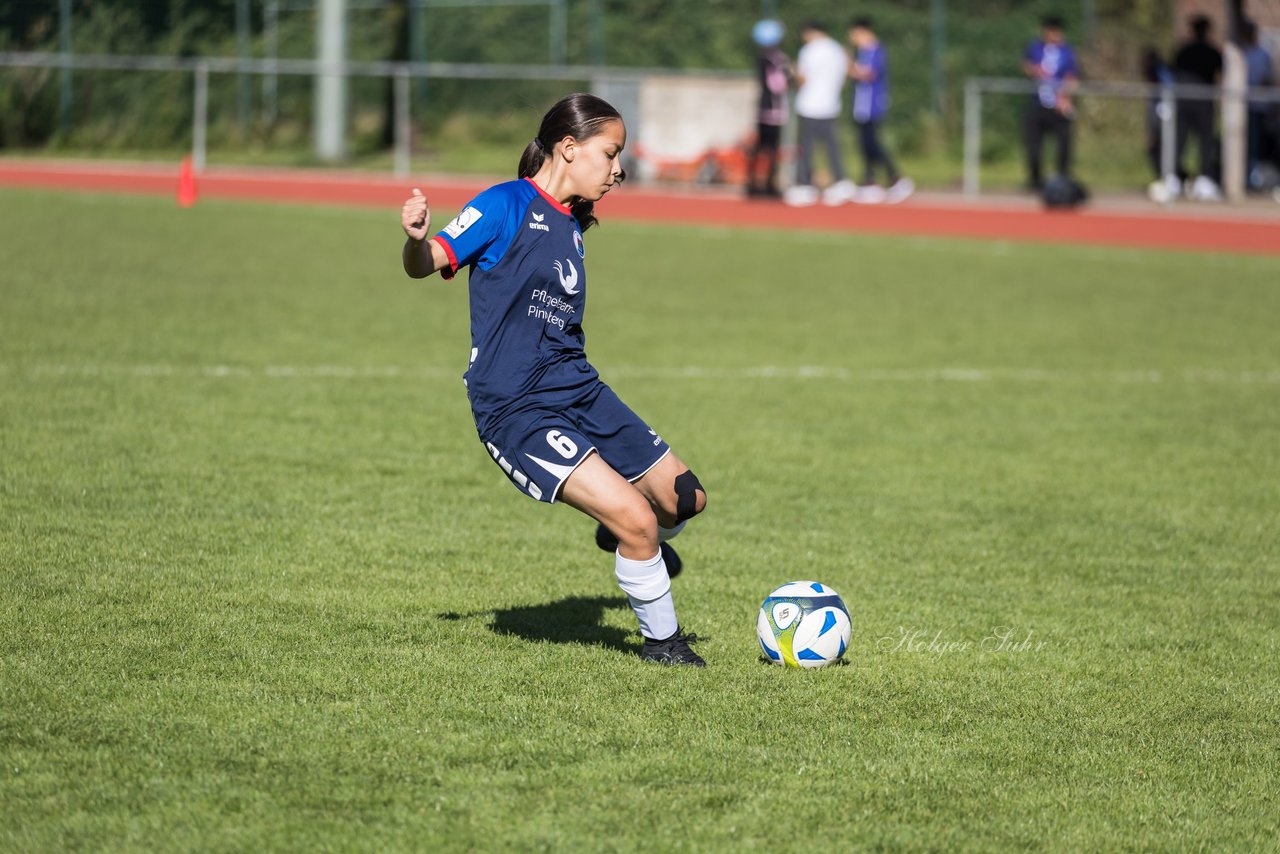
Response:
column 462, row 222
column 569, row 279
column 577, row 244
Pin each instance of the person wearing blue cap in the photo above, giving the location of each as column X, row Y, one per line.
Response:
column 773, row 71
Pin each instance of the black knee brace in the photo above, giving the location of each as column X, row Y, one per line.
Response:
column 687, row 487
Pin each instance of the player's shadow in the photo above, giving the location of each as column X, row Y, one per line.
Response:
column 574, row 619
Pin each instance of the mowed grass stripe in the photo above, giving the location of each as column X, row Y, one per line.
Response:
column 798, row 373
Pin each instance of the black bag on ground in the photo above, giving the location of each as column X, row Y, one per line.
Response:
column 1063, row 192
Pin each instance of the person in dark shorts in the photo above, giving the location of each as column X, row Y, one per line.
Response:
column 544, row 416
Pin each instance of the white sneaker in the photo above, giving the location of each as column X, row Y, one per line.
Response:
column 1203, row 189
column 839, row 193
column 801, row 196
column 872, row 194
column 1158, row 192
column 900, row 191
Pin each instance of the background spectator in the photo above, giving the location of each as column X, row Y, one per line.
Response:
column 1259, row 72
column 1051, row 62
column 1199, row 62
column 773, row 71
column 870, row 71
column 1158, row 73
column 821, row 69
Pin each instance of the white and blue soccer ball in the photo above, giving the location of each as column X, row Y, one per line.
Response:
column 803, row 624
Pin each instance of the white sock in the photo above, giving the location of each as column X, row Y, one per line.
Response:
column 665, row 534
column 648, row 589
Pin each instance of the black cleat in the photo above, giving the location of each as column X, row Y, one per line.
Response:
column 673, row 650
column 605, row 539
column 609, row 543
column 674, row 564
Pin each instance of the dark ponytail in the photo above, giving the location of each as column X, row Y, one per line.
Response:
column 580, row 116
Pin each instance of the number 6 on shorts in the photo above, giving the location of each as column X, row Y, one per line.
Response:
column 563, row 444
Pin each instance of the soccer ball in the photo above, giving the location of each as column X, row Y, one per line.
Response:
column 803, row 624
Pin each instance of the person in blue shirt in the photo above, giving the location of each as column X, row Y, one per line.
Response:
column 1258, row 73
column 541, row 411
column 1051, row 63
column 870, row 72
column 1156, row 72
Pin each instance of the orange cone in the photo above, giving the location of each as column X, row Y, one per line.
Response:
column 186, row 184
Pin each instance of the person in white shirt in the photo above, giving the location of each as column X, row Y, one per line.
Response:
column 821, row 70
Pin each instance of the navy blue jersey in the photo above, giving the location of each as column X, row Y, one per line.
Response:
column 528, row 297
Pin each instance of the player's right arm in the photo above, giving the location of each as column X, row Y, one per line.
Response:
column 421, row 256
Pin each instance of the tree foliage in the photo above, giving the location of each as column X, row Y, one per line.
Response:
column 980, row 38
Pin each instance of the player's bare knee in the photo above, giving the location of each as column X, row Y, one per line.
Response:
column 691, row 497
column 636, row 528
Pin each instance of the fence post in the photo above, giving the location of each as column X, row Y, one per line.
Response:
column 271, row 45
column 1168, row 133
column 937, row 42
column 559, row 33
column 200, row 118
column 244, row 96
column 1234, row 122
column 330, row 120
column 67, row 49
column 972, row 137
column 402, row 121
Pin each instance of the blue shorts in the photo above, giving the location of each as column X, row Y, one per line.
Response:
column 539, row 448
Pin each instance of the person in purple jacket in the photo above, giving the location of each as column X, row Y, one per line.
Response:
column 1051, row 63
column 870, row 72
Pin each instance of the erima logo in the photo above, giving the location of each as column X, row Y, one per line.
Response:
column 537, row 222
column 657, row 440
column 568, row 282
column 462, row 222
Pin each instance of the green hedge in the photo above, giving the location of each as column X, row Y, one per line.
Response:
column 153, row 110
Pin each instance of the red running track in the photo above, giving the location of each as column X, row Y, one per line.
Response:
column 1025, row 222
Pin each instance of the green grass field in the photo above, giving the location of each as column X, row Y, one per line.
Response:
column 262, row 589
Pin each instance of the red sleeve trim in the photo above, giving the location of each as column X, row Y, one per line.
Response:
column 452, row 270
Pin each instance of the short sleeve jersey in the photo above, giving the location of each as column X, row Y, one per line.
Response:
column 871, row 97
column 528, row 295
column 1058, row 62
column 824, row 66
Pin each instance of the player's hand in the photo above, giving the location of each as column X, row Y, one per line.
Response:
column 415, row 216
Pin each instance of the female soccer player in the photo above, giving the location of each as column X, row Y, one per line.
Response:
column 545, row 417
